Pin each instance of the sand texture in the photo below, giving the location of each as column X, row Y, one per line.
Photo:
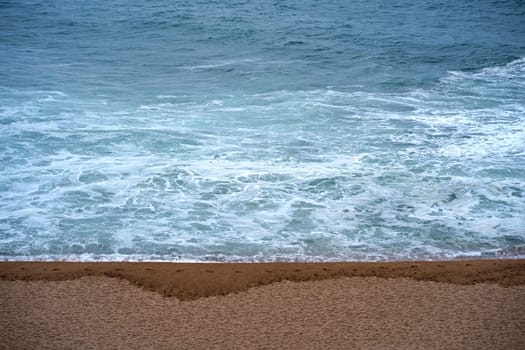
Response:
column 68, row 307
column 190, row 281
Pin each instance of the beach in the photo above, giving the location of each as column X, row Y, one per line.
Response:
column 461, row 304
column 262, row 174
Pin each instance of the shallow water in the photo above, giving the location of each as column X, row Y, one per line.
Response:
column 254, row 131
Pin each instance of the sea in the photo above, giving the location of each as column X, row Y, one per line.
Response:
column 253, row 130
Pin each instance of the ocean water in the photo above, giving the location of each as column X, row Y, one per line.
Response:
column 262, row 130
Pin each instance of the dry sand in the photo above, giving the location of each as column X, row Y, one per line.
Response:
column 439, row 305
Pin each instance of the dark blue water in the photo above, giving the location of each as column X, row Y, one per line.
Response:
column 254, row 130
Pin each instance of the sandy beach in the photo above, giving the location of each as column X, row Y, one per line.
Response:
column 333, row 174
column 463, row 304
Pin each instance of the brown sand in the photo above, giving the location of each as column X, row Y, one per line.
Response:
column 190, row 281
column 75, row 306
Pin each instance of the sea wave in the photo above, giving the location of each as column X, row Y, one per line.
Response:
column 285, row 175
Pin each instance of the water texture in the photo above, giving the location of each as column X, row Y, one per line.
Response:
column 260, row 131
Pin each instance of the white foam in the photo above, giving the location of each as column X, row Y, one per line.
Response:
column 284, row 175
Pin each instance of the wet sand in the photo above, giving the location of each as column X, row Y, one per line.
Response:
column 470, row 304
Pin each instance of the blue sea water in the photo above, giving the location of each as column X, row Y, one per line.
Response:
column 261, row 130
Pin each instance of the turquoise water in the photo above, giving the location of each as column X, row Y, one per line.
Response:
column 260, row 131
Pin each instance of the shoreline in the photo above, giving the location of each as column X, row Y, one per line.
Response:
column 194, row 280
column 465, row 304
